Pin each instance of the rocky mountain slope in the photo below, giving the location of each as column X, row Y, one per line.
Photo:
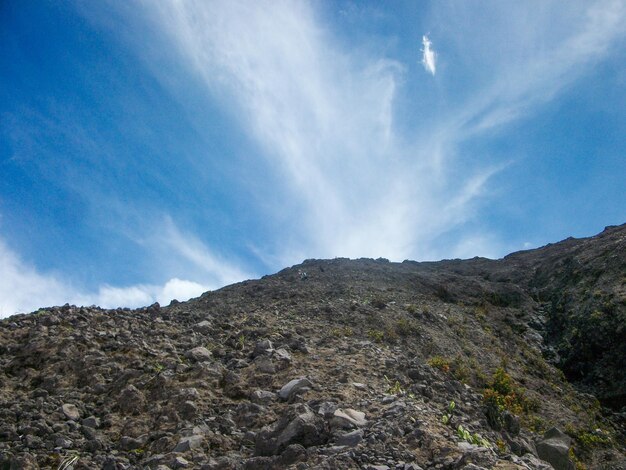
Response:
column 336, row 364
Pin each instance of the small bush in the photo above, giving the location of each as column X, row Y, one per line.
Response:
column 376, row 335
column 501, row 395
column 340, row 332
column 439, row 362
column 404, row 327
column 412, row 309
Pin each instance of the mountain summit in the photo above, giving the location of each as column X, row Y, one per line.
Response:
column 515, row 363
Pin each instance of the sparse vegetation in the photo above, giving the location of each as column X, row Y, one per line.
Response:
column 475, row 438
column 501, row 394
column 376, row 335
column 447, row 416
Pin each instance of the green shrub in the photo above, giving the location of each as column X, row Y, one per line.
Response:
column 376, row 335
column 501, row 395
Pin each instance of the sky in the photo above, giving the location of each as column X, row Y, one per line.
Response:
column 152, row 150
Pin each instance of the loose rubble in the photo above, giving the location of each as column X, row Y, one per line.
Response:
column 359, row 364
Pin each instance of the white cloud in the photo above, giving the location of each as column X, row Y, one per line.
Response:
column 24, row 289
column 545, row 50
column 324, row 119
column 143, row 294
column 428, row 56
column 213, row 269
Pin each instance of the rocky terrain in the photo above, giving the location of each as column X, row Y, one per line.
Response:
column 336, row 364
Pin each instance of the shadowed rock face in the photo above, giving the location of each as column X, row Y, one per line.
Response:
column 357, row 364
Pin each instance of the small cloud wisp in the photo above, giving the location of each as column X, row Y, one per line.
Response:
column 428, row 56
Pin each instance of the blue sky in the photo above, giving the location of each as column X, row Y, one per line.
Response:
column 152, row 150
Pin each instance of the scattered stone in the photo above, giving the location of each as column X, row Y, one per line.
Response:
column 350, row 439
column 296, row 385
column 299, row 425
column 71, row 412
column 199, row 354
column 348, row 417
column 204, row 327
column 131, row 400
column 265, row 365
column 63, row 442
column 91, row 422
column 189, row 443
column 262, row 348
column 282, row 355
column 262, row 396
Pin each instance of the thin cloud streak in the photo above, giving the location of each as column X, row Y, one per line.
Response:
column 428, row 56
column 324, row 121
column 24, row 288
column 530, row 77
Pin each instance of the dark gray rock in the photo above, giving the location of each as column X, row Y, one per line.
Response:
column 199, row 354
column 91, row 422
column 189, row 443
column 262, row 396
column 131, row 400
column 299, row 425
column 288, row 391
column 294, row 453
column 263, row 348
column 554, row 449
column 350, row 439
column 130, row 443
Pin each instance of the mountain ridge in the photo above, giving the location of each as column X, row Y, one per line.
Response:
column 448, row 364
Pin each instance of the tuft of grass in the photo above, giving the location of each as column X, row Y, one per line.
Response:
column 340, row 332
column 404, row 327
column 376, row 335
column 586, row 439
column 439, row 362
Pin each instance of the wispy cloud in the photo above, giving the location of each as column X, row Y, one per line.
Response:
column 213, row 269
column 324, row 117
column 24, row 288
column 543, row 55
column 428, row 55
column 324, row 120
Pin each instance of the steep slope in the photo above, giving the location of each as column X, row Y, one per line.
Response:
column 335, row 364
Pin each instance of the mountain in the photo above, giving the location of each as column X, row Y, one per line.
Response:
column 514, row 363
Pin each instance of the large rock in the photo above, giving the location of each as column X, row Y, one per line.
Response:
column 290, row 389
column 299, row 425
column 131, row 400
column 71, row 412
column 554, row 449
column 189, row 443
column 345, row 418
column 199, row 354
column 204, row 327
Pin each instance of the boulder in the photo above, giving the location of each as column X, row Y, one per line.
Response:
column 348, row 417
column 290, row 389
column 199, row 354
column 70, row 411
column 299, row 425
column 131, row 400
column 554, row 449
